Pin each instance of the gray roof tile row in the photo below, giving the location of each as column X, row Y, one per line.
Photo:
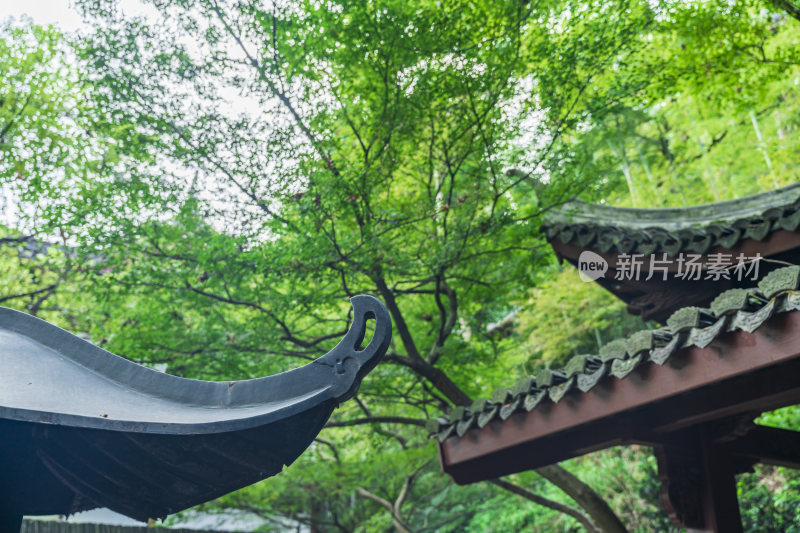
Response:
column 695, row 229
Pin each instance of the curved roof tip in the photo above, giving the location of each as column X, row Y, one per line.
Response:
column 348, row 352
column 49, row 374
column 578, row 211
column 84, row 428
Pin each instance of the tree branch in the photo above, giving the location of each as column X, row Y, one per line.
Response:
column 598, row 509
column 790, row 7
column 31, row 293
column 288, row 335
column 399, row 524
column 550, row 504
column 447, row 318
column 284, row 99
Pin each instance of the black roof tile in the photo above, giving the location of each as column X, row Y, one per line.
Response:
column 694, row 229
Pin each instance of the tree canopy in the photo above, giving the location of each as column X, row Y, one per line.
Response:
column 219, row 177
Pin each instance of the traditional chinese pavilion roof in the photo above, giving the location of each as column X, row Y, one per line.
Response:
column 695, row 229
column 82, row 428
column 733, row 310
column 691, row 391
column 765, row 225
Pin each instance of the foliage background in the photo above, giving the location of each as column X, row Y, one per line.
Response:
column 216, row 178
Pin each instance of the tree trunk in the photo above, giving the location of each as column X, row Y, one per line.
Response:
column 789, row 6
column 599, row 511
column 567, row 510
column 602, row 515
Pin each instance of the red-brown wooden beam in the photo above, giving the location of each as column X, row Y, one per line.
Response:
column 719, row 501
column 698, row 484
column 739, row 372
column 774, row 446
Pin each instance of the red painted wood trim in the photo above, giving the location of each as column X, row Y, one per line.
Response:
column 731, row 355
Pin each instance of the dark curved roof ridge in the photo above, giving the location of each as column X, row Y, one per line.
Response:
column 695, row 228
column 52, row 376
column 735, row 309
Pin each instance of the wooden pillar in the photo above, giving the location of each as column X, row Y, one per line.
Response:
column 720, row 503
column 698, row 484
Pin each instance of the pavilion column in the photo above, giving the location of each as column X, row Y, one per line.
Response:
column 720, row 502
column 698, row 483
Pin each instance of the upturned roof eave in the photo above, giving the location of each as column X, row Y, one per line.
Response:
column 556, row 393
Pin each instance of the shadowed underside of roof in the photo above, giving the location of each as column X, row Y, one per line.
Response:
column 83, row 428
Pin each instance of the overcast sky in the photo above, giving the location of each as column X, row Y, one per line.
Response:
column 57, row 12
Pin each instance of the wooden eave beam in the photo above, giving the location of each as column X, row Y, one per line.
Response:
column 737, row 373
column 774, row 446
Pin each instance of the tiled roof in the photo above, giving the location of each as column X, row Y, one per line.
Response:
column 691, row 229
column 735, row 309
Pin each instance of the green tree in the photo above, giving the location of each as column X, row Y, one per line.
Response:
column 251, row 166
